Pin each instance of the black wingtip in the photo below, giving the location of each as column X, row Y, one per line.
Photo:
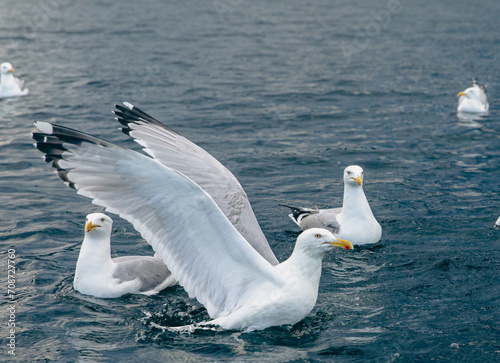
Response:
column 52, row 140
column 132, row 115
column 296, row 212
column 287, row 206
column 63, row 174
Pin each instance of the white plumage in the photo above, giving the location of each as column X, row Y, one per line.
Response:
column 99, row 275
column 11, row 86
column 473, row 100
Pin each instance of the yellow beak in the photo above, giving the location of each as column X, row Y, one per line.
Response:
column 342, row 243
column 90, row 227
column 358, row 180
column 460, row 94
column 11, row 70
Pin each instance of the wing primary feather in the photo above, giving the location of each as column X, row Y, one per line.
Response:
column 297, row 212
column 126, row 116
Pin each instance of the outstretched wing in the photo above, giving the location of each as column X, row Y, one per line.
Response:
column 178, row 153
column 202, row 249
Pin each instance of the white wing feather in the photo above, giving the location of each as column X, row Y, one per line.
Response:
column 178, row 153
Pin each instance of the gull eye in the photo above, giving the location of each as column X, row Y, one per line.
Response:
column 317, row 235
column 102, row 219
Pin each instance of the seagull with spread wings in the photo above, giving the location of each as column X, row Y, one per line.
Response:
column 204, row 250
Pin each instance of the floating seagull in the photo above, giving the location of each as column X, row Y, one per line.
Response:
column 178, row 153
column 354, row 221
column 497, row 223
column 99, row 275
column 473, row 99
column 10, row 86
column 203, row 250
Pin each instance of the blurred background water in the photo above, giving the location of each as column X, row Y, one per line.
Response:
column 286, row 94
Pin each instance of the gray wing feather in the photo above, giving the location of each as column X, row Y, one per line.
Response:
column 151, row 271
column 307, row 218
column 20, row 83
column 482, row 96
column 324, row 218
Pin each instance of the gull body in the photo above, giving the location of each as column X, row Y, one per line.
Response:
column 473, row 100
column 10, row 86
column 353, row 221
column 205, row 252
column 295, row 299
column 99, row 275
column 497, row 223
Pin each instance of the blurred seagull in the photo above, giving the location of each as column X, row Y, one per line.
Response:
column 10, row 86
column 99, row 275
column 497, row 223
column 202, row 248
column 354, row 221
column 473, row 99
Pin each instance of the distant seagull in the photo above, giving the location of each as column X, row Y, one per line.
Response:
column 10, row 86
column 354, row 221
column 99, row 275
column 473, row 99
column 211, row 260
column 497, row 223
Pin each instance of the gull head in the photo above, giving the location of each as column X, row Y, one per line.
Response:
column 353, row 175
column 98, row 224
column 320, row 240
column 473, row 93
column 6, row 68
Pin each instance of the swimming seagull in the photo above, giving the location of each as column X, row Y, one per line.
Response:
column 99, row 275
column 473, row 99
column 176, row 152
column 10, row 86
column 354, row 221
column 497, row 223
column 203, row 250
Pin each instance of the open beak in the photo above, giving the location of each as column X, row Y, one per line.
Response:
column 342, row 243
column 11, row 70
column 90, row 227
column 460, row 94
column 358, row 180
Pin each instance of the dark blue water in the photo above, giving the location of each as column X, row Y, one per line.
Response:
column 285, row 94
